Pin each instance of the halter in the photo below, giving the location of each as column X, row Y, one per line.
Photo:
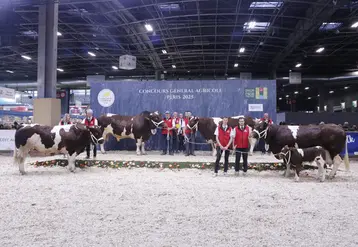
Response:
column 262, row 133
column 156, row 123
column 195, row 126
column 94, row 139
column 284, row 156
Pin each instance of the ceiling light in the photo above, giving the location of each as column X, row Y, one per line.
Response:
column 173, row 66
column 252, row 24
column 236, row 65
column 165, row 71
column 164, row 51
column 287, row 96
column 280, row 98
column 188, row 71
column 317, row 95
column 59, row 34
column 331, row 91
column 242, row 49
column 355, row 25
column 296, row 92
column 149, row 27
column 26, row 57
column 298, row 65
column 346, row 87
column 10, row 71
column 306, row 88
column 319, row 50
column 61, row 70
column 309, row 98
column 91, row 54
column 97, row 48
column 115, row 67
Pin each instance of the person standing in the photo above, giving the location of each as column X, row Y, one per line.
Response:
column 66, row 120
column 241, row 135
column 90, row 121
column 223, row 138
column 181, row 130
column 167, row 134
column 176, row 128
column 189, row 136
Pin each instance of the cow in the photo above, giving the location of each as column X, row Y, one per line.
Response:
column 66, row 139
column 207, row 126
column 329, row 136
column 140, row 127
column 296, row 157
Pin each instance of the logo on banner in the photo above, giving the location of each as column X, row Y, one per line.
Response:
column 256, row 107
column 106, row 97
column 350, row 139
column 261, row 93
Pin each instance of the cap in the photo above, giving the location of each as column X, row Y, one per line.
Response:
column 167, row 112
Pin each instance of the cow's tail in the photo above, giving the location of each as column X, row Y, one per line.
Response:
column 346, row 157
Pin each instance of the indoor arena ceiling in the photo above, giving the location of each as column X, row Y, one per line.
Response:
column 196, row 37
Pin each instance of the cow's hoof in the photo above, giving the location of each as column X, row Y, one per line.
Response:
column 321, row 180
column 251, row 153
column 22, row 173
column 139, row 153
column 144, row 153
column 104, row 152
column 331, row 176
column 297, row 180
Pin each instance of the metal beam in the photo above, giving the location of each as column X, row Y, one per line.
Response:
column 314, row 17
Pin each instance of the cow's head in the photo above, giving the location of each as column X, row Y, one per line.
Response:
column 260, row 129
column 155, row 120
column 193, row 122
column 96, row 134
column 104, row 121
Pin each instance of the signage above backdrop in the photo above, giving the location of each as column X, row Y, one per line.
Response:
column 216, row 98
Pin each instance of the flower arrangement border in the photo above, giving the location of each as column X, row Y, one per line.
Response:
column 151, row 164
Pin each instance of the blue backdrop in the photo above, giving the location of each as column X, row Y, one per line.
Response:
column 215, row 98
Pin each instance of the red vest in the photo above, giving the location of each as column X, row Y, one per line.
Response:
column 168, row 123
column 89, row 123
column 242, row 137
column 224, row 136
column 187, row 130
column 269, row 120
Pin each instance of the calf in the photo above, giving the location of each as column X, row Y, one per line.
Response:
column 296, row 156
column 66, row 139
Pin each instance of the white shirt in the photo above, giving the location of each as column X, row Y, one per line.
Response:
column 95, row 121
column 232, row 133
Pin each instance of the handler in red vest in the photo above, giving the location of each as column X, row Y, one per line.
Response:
column 167, row 133
column 66, row 120
column 241, row 144
column 224, row 139
column 90, row 121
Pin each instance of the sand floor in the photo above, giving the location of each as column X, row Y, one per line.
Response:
column 150, row 207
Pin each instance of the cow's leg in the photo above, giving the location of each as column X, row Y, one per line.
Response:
column 321, row 170
column 102, row 148
column 252, row 145
column 214, row 149
column 143, row 148
column 288, row 171
column 71, row 162
column 297, row 174
column 139, row 143
column 337, row 160
column 19, row 159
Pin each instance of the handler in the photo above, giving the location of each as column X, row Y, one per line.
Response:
column 241, row 135
column 224, row 136
column 167, row 134
column 90, row 121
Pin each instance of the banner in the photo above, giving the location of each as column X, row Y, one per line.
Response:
column 352, row 143
column 7, row 140
column 7, row 93
column 215, row 98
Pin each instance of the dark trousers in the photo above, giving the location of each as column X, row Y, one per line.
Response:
column 88, row 150
column 244, row 157
column 218, row 157
column 167, row 143
column 181, row 143
column 175, row 141
column 190, row 144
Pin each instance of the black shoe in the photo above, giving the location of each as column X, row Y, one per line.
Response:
column 87, row 157
column 163, row 153
column 186, row 154
column 193, row 154
column 171, row 153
